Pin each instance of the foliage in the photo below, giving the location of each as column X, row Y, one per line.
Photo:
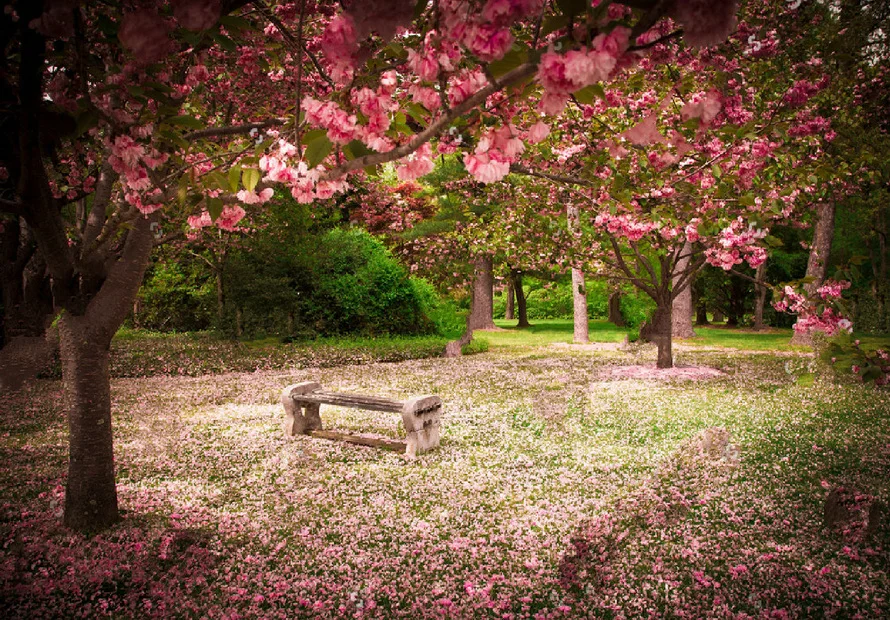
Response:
column 357, row 287
column 177, row 295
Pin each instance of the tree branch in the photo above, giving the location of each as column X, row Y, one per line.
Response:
column 511, row 77
column 233, row 130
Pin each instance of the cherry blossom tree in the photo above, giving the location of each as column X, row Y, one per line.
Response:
column 136, row 119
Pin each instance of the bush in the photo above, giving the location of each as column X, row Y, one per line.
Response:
column 177, row 295
column 636, row 308
column 357, row 287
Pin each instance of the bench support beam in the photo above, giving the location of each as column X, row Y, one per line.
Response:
column 420, row 416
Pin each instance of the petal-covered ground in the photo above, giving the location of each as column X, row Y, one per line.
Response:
column 561, row 489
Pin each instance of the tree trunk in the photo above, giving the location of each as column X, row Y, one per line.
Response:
column 760, row 300
column 508, row 308
column 661, row 332
column 615, row 316
column 482, row 305
column 817, row 263
column 681, row 308
column 90, row 496
column 581, row 331
column 521, row 305
column 718, row 315
column 220, row 297
column 701, row 314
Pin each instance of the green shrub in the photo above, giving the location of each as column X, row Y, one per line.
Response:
column 177, row 295
column 636, row 308
column 357, row 287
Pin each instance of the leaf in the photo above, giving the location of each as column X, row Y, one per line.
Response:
column 317, row 150
column 356, row 149
column 773, row 242
column 250, row 177
column 717, row 171
column 86, row 121
column 214, row 207
column 554, row 23
column 234, row 22
column 224, row 42
column 572, row 7
column 587, row 94
column 512, row 59
column 234, row 177
column 185, row 120
column 747, row 200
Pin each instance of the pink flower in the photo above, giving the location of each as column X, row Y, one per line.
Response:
column 538, row 132
column 196, row 15
column 417, row 164
column 485, row 168
column 702, row 106
column 705, row 22
column 644, row 133
column 254, row 198
column 230, row 216
column 144, row 34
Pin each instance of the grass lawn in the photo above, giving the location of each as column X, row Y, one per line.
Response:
column 558, row 491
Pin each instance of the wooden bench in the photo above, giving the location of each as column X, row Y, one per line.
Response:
column 421, row 417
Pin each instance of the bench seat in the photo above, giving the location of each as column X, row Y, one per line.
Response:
column 421, row 416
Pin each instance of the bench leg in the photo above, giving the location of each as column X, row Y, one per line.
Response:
column 421, row 417
column 299, row 420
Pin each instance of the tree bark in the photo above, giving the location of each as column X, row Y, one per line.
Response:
column 508, row 308
column 817, row 263
column 661, row 332
column 615, row 316
column 581, row 330
column 482, row 305
column 760, row 300
column 91, row 495
column 521, row 305
column 718, row 315
column 681, row 310
column 701, row 314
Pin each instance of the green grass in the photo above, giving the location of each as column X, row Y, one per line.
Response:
column 549, row 331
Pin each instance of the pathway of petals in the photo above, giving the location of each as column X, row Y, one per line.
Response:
column 561, row 489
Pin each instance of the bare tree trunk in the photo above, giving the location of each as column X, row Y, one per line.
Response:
column 220, row 297
column 681, row 310
column 482, row 306
column 615, row 316
column 581, row 330
column 661, row 334
column 760, row 301
column 521, row 306
column 817, row 263
column 718, row 315
column 701, row 313
column 508, row 309
column 90, row 496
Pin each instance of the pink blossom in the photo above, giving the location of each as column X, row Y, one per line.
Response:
column 144, row 34
column 417, row 164
column 485, row 167
column 230, row 216
column 538, row 132
column 254, row 198
column 704, row 106
column 644, row 133
column 705, row 22
column 196, row 15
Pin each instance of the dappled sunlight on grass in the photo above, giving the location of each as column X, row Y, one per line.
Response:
column 563, row 487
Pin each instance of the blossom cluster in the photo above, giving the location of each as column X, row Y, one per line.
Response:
column 736, row 244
